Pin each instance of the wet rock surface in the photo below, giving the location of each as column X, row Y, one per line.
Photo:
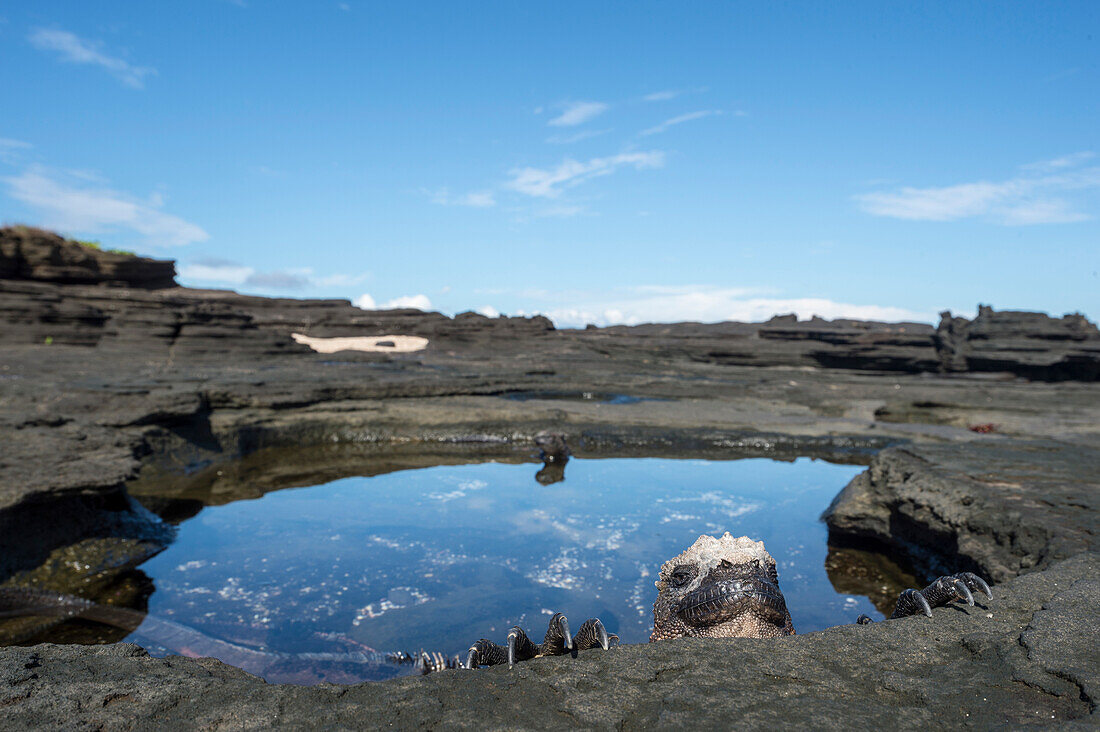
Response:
column 972, row 465
column 1000, row 508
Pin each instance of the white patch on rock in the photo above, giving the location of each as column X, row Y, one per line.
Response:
column 370, row 344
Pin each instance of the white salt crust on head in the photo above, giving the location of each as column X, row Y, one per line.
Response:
column 707, row 552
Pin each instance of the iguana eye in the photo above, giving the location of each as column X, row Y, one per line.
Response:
column 681, row 576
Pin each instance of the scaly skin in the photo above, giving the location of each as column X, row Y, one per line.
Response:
column 720, row 588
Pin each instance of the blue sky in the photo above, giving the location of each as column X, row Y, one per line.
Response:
column 600, row 162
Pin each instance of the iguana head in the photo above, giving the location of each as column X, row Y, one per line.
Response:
column 720, row 588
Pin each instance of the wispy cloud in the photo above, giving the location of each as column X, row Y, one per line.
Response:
column 10, row 150
column 223, row 272
column 475, row 199
column 563, row 211
column 657, row 129
column 1061, row 163
column 73, row 49
column 549, row 182
column 419, row 302
column 663, row 96
column 72, row 202
column 576, row 113
column 278, row 280
column 212, row 269
column 575, row 137
column 701, row 303
column 1035, row 196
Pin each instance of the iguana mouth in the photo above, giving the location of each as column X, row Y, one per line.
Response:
column 728, row 599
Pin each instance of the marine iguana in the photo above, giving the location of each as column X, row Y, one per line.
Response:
column 717, row 588
column 554, row 454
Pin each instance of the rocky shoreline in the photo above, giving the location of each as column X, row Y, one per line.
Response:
column 982, row 440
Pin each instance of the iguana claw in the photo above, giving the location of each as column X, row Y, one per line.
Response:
column 964, row 592
column 557, row 642
column 941, row 592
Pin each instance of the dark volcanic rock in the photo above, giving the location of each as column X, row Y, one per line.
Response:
column 782, row 341
column 1028, row 657
column 1033, row 345
column 996, row 508
column 33, row 254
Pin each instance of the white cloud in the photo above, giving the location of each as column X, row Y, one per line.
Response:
column 8, row 143
column 225, row 272
column 1033, row 197
column 10, row 149
column 666, row 94
column 76, row 204
column 575, row 137
column 339, row 280
column 576, row 113
column 1066, row 161
column 419, row 302
column 663, row 96
column 678, row 120
column 549, row 183
column 488, row 311
column 280, row 280
column 474, row 199
column 1050, row 211
column 563, row 211
column 74, row 49
column 221, row 271
column 706, row 304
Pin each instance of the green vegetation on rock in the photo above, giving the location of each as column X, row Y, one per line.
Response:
column 92, row 244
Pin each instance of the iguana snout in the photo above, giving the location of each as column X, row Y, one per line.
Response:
column 720, row 588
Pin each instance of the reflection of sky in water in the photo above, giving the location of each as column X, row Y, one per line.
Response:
column 439, row 557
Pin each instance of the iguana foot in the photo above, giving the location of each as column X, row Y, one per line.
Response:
column 428, row 663
column 942, row 591
column 557, row 642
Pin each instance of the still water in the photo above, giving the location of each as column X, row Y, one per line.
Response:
column 438, row 557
